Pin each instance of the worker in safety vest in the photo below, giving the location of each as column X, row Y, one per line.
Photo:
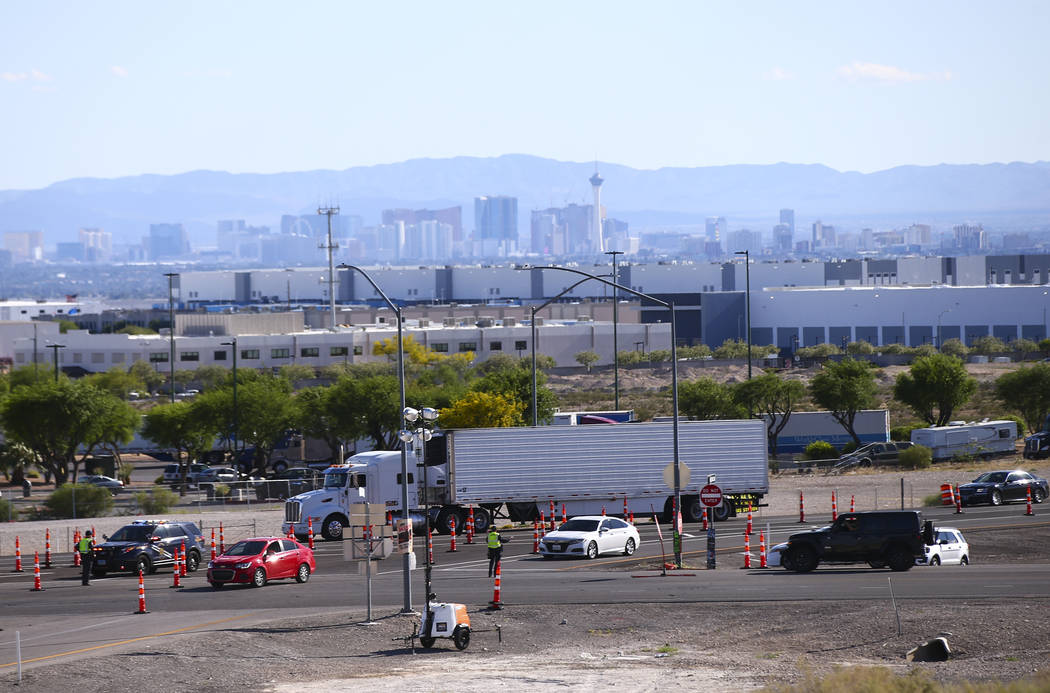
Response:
column 495, row 544
column 86, row 558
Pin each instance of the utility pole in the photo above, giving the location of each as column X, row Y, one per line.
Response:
column 171, row 335
column 616, row 320
column 36, row 364
column 328, row 212
column 54, row 355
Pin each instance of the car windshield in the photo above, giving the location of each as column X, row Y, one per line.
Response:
column 246, row 548
column 579, row 526
column 991, row 478
column 133, row 533
column 335, row 479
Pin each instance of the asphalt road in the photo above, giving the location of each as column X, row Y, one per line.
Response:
column 67, row 620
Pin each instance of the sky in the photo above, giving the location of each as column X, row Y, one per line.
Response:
column 124, row 88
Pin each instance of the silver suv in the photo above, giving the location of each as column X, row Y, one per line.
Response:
column 173, row 474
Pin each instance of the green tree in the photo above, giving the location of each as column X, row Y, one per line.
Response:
column 30, row 375
column 698, row 351
column 296, row 372
column 91, row 501
column 732, row 349
column 934, row 387
column 954, row 347
column 772, row 397
column 265, row 412
column 587, row 359
column 1044, row 347
column 15, row 459
column 65, row 326
column 629, row 358
column 819, row 351
column 212, row 377
column 147, row 374
column 844, row 389
column 988, row 346
column 515, row 383
column 1027, row 391
column 185, row 428
column 55, row 419
column 117, row 382
column 135, row 329
column 860, row 348
column 482, row 410
column 1025, row 347
column 314, row 415
column 705, row 398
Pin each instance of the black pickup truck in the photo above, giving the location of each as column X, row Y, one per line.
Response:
column 878, row 538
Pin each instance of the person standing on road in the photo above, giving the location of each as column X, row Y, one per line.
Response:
column 495, row 545
column 86, row 558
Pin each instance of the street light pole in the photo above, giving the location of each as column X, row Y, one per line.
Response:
column 233, row 343
column 54, row 355
column 405, row 567
column 419, row 437
column 674, row 393
column 747, row 279
column 171, row 335
column 616, row 341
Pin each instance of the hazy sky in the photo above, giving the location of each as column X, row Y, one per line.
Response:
column 111, row 89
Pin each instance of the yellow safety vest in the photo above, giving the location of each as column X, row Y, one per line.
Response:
column 493, row 540
column 84, row 545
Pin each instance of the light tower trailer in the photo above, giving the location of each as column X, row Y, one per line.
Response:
column 586, row 468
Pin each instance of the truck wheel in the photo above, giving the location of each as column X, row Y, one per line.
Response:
column 899, row 559
column 443, row 518
column 723, row 512
column 692, row 509
column 482, row 521
column 803, row 559
column 279, row 466
column 332, row 527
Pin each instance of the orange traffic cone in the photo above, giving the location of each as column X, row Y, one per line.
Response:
column 310, row 531
column 535, row 536
column 834, row 508
column 452, row 531
column 762, row 550
column 631, row 520
column 749, row 525
column 851, row 506
column 142, row 594
column 747, row 551
column 603, row 511
column 552, row 516
column 470, row 525
column 76, row 554
column 222, row 540
column 182, row 560
column 958, row 501
column 47, row 548
column 36, row 572
column 1029, row 511
column 430, row 546
column 564, row 517
column 543, row 524
column 624, row 506
column 705, row 521
column 291, row 531
column 175, row 571
column 213, row 543
column 18, row 556
column 496, row 604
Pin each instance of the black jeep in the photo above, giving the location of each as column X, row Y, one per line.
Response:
column 880, row 539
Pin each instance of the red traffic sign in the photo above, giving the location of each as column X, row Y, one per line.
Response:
column 711, row 496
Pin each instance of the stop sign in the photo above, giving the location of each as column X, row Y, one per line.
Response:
column 711, row 496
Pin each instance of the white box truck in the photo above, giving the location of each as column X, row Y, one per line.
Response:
column 983, row 439
column 586, row 468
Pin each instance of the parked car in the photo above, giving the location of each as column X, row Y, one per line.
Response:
column 879, row 538
column 948, row 548
column 218, row 475
column 590, row 536
column 114, row 485
column 173, row 474
column 290, row 482
column 147, row 544
column 257, row 561
column 998, row 487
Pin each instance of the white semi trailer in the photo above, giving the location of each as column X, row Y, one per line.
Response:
column 586, row 468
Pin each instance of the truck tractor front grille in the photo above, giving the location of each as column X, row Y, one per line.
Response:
column 293, row 511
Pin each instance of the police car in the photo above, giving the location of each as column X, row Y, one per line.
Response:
column 146, row 545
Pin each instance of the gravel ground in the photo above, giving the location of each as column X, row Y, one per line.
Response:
column 644, row 647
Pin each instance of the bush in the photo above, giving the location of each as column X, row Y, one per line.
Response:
column 156, row 501
column 92, row 501
column 159, row 481
column 820, row 450
column 848, row 448
column 931, row 501
column 903, row 432
column 916, row 457
column 222, row 490
column 7, row 510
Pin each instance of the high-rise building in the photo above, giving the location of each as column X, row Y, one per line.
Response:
column 823, row 235
column 98, row 244
column 562, row 230
column 970, row 237
column 24, row 245
column 715, row 230
column 783, row 238
column 496, row 225
column 744, row 239
column 787, row 216
column 167, row 241
column 453, row 216
column 596, row 239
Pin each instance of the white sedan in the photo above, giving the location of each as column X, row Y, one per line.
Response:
column 590, row 536
column 950, row 549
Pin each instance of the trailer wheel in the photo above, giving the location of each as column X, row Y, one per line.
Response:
column 482, row 521
column 724, row 511
column 692, row 509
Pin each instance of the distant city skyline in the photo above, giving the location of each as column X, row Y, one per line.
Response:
column 128, row 88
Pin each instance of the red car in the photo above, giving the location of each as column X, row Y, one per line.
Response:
column 259, row 560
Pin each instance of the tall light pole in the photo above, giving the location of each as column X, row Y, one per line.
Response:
column 674, row 393
column 36, row 365
column 532, row 322
column 747, row 275
column 233, row 343
column 405, row 567
column 328, row 212
column 171, row 335
column 54, row 355
column 419, row 436
column 616, row 341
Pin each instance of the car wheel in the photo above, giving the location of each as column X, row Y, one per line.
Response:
column 997, row 498
column 936, row 560
column 303, row 574
column 427, row 640
column 899, row 559
column 143, row 565
column 193, row 561
column 1038, row 496
column 216, row 585
column 592, row 550
column 803, row 559
column 628, row 549
column 259, row 578
column 332, row 527
column 461, row 637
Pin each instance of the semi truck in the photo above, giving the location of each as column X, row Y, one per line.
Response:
column 524, row 470
column 983, row 439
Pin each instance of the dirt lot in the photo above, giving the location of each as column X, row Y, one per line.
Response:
column 641, row 647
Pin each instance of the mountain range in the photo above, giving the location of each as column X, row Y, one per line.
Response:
column 666, row 196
